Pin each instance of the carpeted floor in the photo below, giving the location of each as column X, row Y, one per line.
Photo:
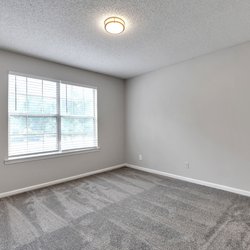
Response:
column 125, row 209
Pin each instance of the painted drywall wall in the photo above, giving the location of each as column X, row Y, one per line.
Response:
column 197, row 112
column 110, row 115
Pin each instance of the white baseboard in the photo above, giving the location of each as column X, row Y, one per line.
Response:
column 196, row 181
column 50, row 183
column 71, row 178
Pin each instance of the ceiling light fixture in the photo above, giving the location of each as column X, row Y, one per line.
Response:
column 114, row 25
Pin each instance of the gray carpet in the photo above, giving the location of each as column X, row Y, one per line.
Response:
column 125, row 209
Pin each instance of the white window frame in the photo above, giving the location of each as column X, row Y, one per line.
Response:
column 59, row 152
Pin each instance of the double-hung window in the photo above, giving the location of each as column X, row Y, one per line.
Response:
column 47, row 116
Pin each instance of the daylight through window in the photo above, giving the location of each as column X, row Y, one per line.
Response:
column 48, row 116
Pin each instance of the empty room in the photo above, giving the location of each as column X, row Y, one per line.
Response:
column 124, row 125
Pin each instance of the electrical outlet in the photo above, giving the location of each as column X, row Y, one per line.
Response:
column 187, row 164
column 140, row 157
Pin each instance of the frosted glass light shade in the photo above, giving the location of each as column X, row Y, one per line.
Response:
column 114, row 25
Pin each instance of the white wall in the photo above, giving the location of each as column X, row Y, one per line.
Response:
column 111, row 124
column 196, row 111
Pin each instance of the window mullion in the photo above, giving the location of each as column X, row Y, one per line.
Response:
column 15, row 95
column 59, row 136
column 26, row 110
column 95, row 117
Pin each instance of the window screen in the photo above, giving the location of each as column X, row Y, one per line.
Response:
column 50, row 116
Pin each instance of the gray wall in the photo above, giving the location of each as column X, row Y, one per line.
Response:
column 196, row 111
column 111, row 124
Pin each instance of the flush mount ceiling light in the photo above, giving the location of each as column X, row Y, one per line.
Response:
column 114, row 25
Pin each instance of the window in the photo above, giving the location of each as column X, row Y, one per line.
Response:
column 47, row 116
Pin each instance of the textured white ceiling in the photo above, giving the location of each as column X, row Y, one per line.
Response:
column 159, row 32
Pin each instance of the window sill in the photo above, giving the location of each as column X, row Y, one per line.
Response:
column 38, row 157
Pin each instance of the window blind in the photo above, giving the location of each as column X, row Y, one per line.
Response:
column 50, row 116
column 78, row 117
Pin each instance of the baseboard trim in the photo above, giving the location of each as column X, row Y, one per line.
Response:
column 196, row 181
column 58, row 181
column 148, row 170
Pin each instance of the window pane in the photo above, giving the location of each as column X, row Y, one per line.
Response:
column 78, row 124
column 34, row 86
column 18, row 145
column 37, row 135
column 21, row 104
column 77, row 100
column 12, row 104
column 76, row 142
column 41, row 125
column 12, row 84
column 84, row 126
column 35, row 105
column 49, row 89
column 72, row 125
column 41, row 96
column 75, row 92
column 73, row 142
column 18, row 125
column 89, row 128
column 77, row 107
column 49, row 106
column 50, row 142
column 89, row 101
column 30, row 100
column 35, row 143
column 78, row 133
column 20, row 85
